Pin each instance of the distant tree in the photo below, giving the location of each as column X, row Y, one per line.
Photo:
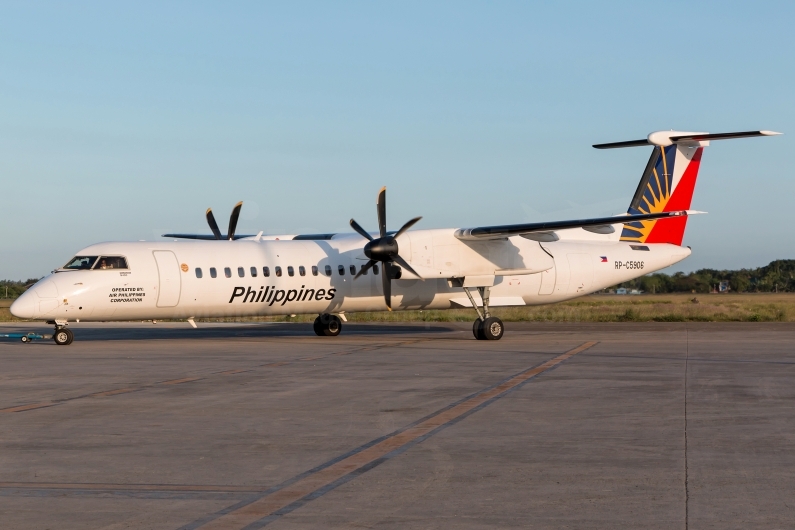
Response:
column 778, row 276
column 14, row 289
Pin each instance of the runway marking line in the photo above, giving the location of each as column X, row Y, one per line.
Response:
column 180, row 381
column 32, row 406
column 294, row 493
column 113, row 392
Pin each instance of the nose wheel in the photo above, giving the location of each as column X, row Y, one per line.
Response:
column 63, row 336
column 327, row 325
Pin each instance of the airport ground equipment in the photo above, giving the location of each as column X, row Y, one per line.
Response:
column 25, row 337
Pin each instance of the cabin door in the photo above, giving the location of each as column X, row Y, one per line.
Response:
column 170, row 281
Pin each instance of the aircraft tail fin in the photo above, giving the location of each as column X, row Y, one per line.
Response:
column 668, row 182
column 667, row 185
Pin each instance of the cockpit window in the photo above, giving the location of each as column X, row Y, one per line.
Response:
column 81, row 263
column 111, row 262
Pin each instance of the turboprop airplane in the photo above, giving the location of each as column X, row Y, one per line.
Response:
column 195, row 276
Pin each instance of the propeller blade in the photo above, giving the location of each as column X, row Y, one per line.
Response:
column 362, row 232
column 406, row 227
column 381, row 205
column 233, row 220
column 386, row 283
column 213, row 224
column 400, row 261
column 366, row 267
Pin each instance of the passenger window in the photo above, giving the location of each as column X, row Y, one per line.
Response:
column 290, row 271
column 213, row 273
column 80, row 263
column 375, row 269
column 253, row 272
column 241, row 272
column 198, row 272
column 111, row 262
column 353, row 270
column 314, row 270
column 301, row 270
column 278, row 271
column 341, row 270
column 363, row 270
column 227, row 272
column 266, row 271
column 328, row 270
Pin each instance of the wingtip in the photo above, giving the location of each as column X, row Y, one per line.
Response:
column 770, row 133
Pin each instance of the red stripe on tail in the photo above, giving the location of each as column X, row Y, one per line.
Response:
column 673, row 230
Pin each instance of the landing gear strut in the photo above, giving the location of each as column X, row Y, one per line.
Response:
column 327, row 325
column 486, row 327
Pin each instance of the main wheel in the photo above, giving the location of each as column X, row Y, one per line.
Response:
column 24, row 338
column 493, row 328
column 63, row 337
column 477, row 330
column 317, row 326
column 328, row 325
column 332, row 326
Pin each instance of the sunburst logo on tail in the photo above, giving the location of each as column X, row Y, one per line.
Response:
column 652, row 195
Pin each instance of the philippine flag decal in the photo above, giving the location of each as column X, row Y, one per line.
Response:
column 604, row 259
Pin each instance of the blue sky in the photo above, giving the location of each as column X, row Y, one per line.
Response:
column 123, row 121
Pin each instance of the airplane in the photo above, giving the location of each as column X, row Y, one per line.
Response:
column 198, row 276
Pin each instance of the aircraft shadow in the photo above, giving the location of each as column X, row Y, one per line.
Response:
column 231, row 331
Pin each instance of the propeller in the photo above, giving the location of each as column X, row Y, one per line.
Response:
column 384, row 249
column 232, row 222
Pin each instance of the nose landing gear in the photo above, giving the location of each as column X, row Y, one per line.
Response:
column 486, row 327
column 62, row 336
column 327, row 325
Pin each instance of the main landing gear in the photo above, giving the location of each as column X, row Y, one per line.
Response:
column 62, row 336
column 486, row 327
column 327, row 325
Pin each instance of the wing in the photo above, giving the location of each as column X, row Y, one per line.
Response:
column 211, row 237
column 206, row 237
column 596, row 225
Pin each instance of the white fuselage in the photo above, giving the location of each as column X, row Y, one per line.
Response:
column 161, row 280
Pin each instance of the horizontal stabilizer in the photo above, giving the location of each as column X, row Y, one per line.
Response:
column 666, row 138
column 504, row 231
column 616, row 145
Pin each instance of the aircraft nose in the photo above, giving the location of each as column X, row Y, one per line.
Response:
column 24, row 306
